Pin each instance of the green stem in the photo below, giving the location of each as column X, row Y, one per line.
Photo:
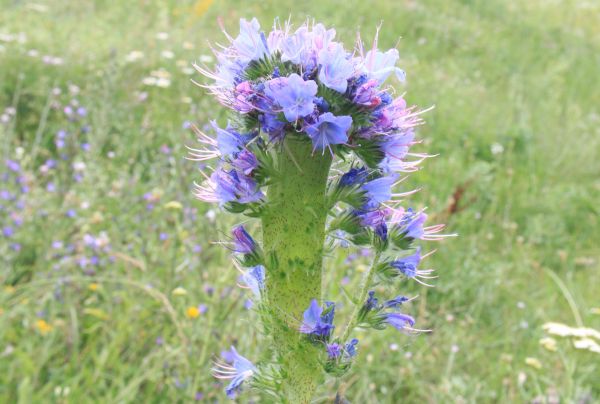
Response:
column 293, row 241
column 368, row 279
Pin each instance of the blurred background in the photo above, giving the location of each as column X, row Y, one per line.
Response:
column 112, row 291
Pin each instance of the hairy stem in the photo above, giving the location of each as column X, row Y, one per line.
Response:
column 368, row 279
column 293, row 240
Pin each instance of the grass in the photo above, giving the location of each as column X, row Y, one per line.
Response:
column 518, row 177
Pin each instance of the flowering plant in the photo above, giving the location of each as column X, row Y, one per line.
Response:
column 313, row 148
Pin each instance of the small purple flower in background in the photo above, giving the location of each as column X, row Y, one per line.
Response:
column 239, row 370
column 315, row 322
column 13, row 166
column 329, row 129
column 163, row 236
column 243, row 243
column 294, row 95
column 8, row 231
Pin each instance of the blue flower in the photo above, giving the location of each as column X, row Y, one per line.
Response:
column 329, row 129
column 296, row 48
column 354, row 176
column 239, row 370
column 251, row 43
column 350, row 348
column 399, row 321
column 372, row 302
column 395, row 302
column 230, row 142
column 243, row 242
column 317, row 324
column 229, row 186
column 254, row 278
column 379, row 65
column 334, row 350
column 414, row 225
column 378, row 191
column 335, row 68
column 271, row 124
column 245, row 162
column 408, row 265
column 293, row 94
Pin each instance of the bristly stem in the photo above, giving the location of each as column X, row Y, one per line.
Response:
column 368, row 279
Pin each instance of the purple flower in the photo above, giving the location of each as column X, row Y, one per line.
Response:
column 334, row 350
column 372, row 302
column 367, row 94
column 228, row 141
column 378, row 191
column 395, row 302
column 399, row 321
column 254, row 278
column 350, row 348
column 315, row 322
column 8, row 231
column 408, row 265
column 294, row 95
column 414, row 228
column 251, row 43
column 372, row 218
column 245, row 162
column 243, row 243
column 271, row 124
column 13, row 166
column 296, row 48
column 229, row 186
column 335, row 69
column 241, row 369
column 329, row 129
column 244, row 94
column 379, row 65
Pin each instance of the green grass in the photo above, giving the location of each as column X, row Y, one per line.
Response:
column 516, row 94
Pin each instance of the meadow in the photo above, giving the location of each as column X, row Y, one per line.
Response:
column 112, row 288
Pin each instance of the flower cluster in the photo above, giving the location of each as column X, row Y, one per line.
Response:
column 305, row 85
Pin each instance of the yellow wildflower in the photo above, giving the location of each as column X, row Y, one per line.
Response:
column 43, row 327
column 192, row 312
column 93, row 287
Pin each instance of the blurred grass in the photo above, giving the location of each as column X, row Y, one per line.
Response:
column 516, row 121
